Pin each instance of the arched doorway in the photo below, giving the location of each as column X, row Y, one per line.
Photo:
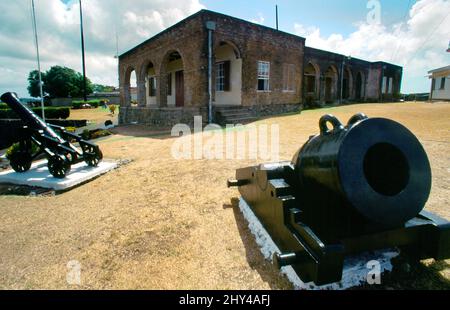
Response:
column 359, row 86
column 149, row 76
column 228, row 74
column 311, row 80
column 172, row 80
column 130, row 87
column 347, row 84
column 331, row 79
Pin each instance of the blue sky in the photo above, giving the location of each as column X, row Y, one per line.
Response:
column 331, row 15
column 412, row 33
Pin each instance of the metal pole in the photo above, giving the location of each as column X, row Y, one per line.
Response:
column 342, row 80
column 117, row 49
column 82, row 53
column 38, row 60
column 211, row 26
column 276, row 13
column 210, row 76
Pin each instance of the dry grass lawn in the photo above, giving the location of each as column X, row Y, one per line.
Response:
column 160, row 223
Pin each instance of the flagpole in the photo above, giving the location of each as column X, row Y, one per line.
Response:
column 82, row 53
column 38, row 58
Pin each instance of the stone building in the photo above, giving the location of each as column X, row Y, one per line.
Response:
column 440, row 86
column 256, row 71
column 361, row 81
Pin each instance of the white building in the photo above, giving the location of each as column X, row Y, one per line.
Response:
column 440, row 84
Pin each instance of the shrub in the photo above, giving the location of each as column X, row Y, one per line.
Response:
column 71, row 129
column 3, row 106
column 86, row 134
column 16, row 148
column 100, row 133
column 95, row 134
column 50, row 113
column 112, row 108
column 54, row 113
column 77, row 104
column 398, row 96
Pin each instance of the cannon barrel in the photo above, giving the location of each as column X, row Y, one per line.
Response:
column 30, row 119
column 373, row 166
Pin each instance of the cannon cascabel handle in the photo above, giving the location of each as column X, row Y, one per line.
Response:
column 356, row 118
column 328, row 118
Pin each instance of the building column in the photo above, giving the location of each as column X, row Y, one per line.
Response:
column 141, row 93
column 161, row 90
column 125, row 97
column 322, row 86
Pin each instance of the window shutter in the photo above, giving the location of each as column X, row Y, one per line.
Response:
column 226, row 73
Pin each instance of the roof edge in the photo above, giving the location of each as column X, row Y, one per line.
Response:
column 204, row 11
column 440, row 69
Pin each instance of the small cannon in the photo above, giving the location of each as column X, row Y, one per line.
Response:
column 54, row 141
column 351, row 189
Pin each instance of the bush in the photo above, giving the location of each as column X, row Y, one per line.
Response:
column 54, row 113
column 100, row 133
column 86, row 134
column 94, row 134
column 16, row 148
column 112, row 108
column 3, row 106
column 50, row 113
column 77, row 104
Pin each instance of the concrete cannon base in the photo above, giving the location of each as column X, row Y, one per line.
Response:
column 39, row 176
column 355, row 270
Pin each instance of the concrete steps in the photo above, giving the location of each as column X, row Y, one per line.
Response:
column 233, row 115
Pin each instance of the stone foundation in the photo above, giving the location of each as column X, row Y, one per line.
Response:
column 160, row 117
column 168, row 117
column 274, row 109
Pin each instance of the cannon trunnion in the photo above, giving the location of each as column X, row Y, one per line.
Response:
column 53, row 141
column 348, row 190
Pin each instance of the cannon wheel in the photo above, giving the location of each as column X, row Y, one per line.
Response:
column 92, row 155
column 59, row 166
column 21, row 161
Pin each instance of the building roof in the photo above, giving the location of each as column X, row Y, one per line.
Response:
column 446, row 68
column 201, row 12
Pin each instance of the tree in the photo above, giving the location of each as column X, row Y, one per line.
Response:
column 60, row 82
column 33, row 83
column 102, row 88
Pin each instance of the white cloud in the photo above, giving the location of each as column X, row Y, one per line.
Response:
column 259, row 20
column 59, row 34
column 419, row 44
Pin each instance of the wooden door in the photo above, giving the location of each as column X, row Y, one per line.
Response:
column 179, row 88
column 328, row 89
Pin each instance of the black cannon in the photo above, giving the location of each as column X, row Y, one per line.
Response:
column 54, row 141
column 349, row 190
